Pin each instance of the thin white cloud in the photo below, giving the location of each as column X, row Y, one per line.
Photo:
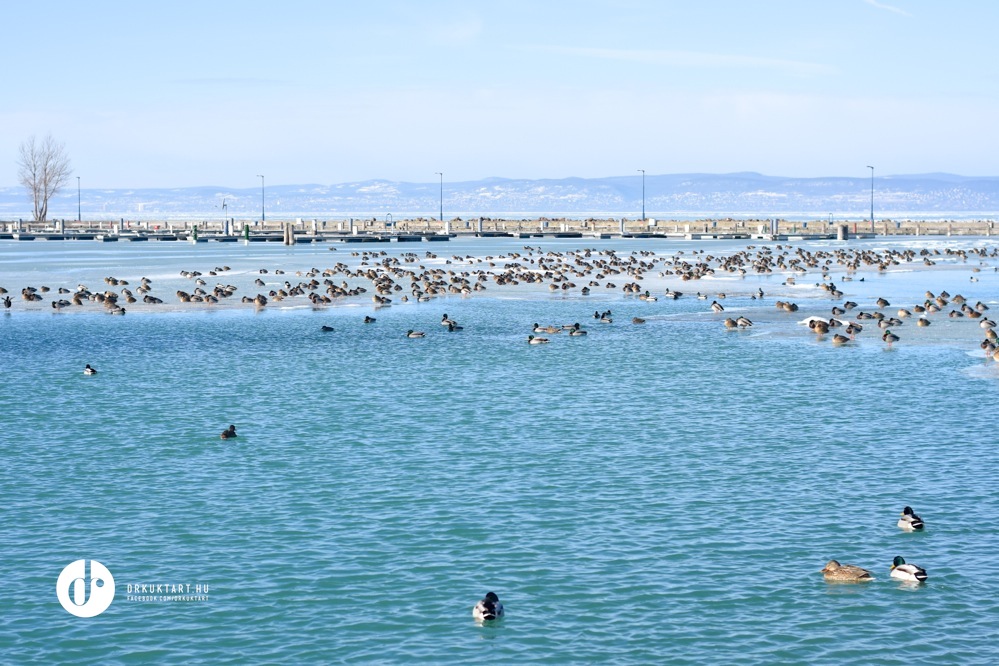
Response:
column 699, row 59
column 459, row 31
column 890, row 8
column 236, row 81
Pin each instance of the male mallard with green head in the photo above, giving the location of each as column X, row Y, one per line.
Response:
column 907, row 572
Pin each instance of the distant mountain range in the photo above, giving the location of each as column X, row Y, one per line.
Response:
column 676, row 196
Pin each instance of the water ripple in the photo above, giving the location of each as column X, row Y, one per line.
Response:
column 645, row 494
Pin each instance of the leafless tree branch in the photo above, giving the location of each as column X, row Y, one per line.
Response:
column 43, row 169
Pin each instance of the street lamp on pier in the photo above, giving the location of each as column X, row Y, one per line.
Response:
column 263, row 214
column 441, row 174
column 872, row 196
column 643, row 194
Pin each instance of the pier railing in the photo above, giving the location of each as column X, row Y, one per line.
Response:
column 421, row 229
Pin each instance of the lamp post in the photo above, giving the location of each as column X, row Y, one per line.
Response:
column 263, row 214
column 438, row 173
column 78, row 207
column 872, row 197
column 643, row 194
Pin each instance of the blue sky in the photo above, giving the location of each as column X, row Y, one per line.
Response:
column 172, row 94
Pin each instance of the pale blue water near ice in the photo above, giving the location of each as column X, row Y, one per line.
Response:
column 652, row 493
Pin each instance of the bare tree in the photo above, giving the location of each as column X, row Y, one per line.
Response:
column 43, row 170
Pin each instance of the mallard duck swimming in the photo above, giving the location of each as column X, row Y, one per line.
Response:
column 489, row 608
column 909, row 521
column 845, row 573
column 229, row 433
column 908, row 572
column 415, row 334
column 537, row 341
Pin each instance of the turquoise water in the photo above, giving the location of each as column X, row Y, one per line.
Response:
column 664, row 492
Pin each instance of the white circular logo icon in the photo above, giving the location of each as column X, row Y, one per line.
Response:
column 74, row 595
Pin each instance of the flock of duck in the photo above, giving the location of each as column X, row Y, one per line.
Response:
column 848, row 573
column 408, row 277
column 933, row 304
